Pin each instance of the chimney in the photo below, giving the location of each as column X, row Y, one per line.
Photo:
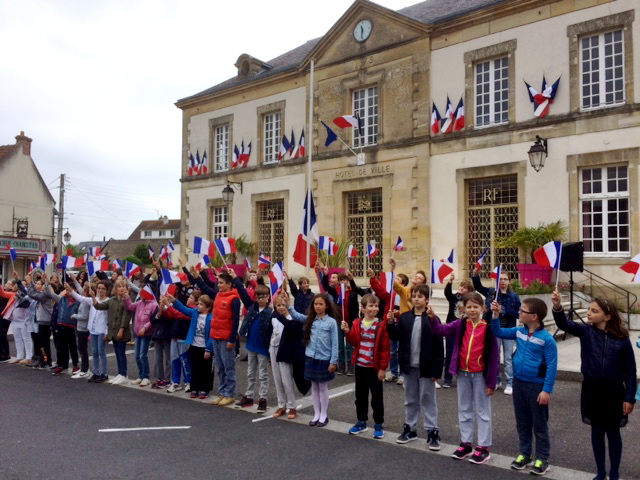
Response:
column 25, row 142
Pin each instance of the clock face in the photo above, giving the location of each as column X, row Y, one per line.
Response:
column 362, row 30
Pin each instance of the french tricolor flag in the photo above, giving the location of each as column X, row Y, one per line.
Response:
column 284, row 147
column 168, row 278
column 387, row 279
column 96, row 266
column 347, row 121
column 115, row 263
column 12, row 252
column 151, row 252
column 436, row 119
column 226, row 245
column 245, row 154
column 192, row 165
column 458, row 122
column 342, row 291
column 71, row 262
column 203, row 166
column 495, row 274
column 399, row 245
column 372, row 251
column 549, row 255
column 204, row 262
column 450, row 257
column 203, row 247
column 47, row 259
column 292, row 144
column 439, row 271
column 95, row 252
column 300, row 150
column 633, row 267
column 276, row 277
column 448, row 119
column 147, row 294
column 481, row 259
column 236, row 157
column 131, row 269
column 247, row 263
column 351, row 251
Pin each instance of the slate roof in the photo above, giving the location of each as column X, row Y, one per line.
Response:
column 427, row 12
column 172, row 224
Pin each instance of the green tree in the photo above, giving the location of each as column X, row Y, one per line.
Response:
column 142, row 253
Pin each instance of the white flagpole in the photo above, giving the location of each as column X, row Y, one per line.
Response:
column 558, row 269
column 309, row 169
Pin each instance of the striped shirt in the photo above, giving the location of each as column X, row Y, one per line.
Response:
column 367, row 343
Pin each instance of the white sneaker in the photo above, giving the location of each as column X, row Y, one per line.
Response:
column 13, row 360
column 400, row 380
column 80, row 374
column 144, row 382
column 174, row 387
column 438, row 385
column 112, row 380
column 508, row 390
column 137, row 381
column 187, row 388
column 121, row 380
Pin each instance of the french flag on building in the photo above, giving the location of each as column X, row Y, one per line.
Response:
column 351, row 251
column 541, row 101
column 236, row 157
column 307, row 237
column 284, row 147
column 203, row 247
column 372, row 250
column 458, row 121
column 203, row 165
column 481, row 259
column 130, row 269
column 192, row 165
column 276, row 277
column 549, row 255
column 292, row 144
column 347, row 121
column 96, row 266
column 12, row 252
column 439, row 271
column 245, row 154
column 399, row 245
column 226, row 245
column 449, row 117
column 196, row 167
column 436, row 119
column 71, row 262
column 633, row 267
column 300, row 149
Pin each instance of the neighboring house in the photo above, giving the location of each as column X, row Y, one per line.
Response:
column 156, row 233
column 436, row 190
column 27, row 209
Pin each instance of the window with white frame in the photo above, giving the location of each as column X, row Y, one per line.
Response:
column 365, row 106
column 271, row 135
column 492, row 92
column 162, row 233
column 602, row 70
column 221, row 151
column 147, row 233
column 220, row 225
column 604, row 210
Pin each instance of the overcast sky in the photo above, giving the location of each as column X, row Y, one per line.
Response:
column 94, row 83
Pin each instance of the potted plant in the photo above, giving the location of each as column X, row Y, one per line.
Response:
column 527, row 240
column 245, row 249
column 337, row 262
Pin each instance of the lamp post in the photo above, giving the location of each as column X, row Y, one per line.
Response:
column 538, row 153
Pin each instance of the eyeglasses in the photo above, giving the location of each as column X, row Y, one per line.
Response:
column 524, row 311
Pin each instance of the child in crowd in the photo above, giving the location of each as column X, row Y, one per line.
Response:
column 257, row 327
column 199, row 341
column 456, row 310
column 476, row 362
column 16, row 312
column 65, row 326
column 40, row 291
column 144, row 310
column 421, row 357
column 224, row 329
column 321, row 341
column 510, row 304
column 302, row 294
column 161, row 344
column 534, row 372
column 118, row 328
column 609, row 371
column 82, row 333
column 368, row 336
column 287, row 357
column 404, row 290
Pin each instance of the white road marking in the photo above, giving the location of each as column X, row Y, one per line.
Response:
column 110, row 430
column 341, row 393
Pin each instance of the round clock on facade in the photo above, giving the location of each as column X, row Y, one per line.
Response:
column 362, row 30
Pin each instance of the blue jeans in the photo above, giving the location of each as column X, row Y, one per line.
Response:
column 226, row 365
column 120, row 349
column 98, row 346
column 180, row 361
column 507, row 350
column 142, row 356
column 393, row 364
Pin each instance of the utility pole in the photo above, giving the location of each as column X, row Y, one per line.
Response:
column 60, row 218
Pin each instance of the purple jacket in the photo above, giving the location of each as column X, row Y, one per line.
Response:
column 456, row 330
column 144, row 310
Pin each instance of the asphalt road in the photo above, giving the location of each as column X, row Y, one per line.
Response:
column 50, row 427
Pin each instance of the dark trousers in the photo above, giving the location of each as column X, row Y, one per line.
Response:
column 531, row 419
column 201, row 370
column 367, row 381
column 35, row 338
column 448, row 341
column 615, row 449
column 66, row 346
column 83, row 349
column 44, row 342
column 120, row 349
column 4, row 342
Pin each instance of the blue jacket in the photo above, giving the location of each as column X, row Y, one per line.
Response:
column 536, row 357
column 509, row 303
column 193, row 313
column 323, row 343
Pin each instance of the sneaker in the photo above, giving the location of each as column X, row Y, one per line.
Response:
column 463, row 451
column 5, row 359
column 400, row 380
column 359, row 427
column 262, row 405
column 437, row 385
column 480, row 456
column 521, row 462
column 174, row 387
column 75, row 370
column 13, row 361
column 145, row 382
column 446, row 384
column 122, row 380
column 203, row 395
column 194, row 394
column 216, row 400
column 407, row 435
column 137, row 381
column 117, row 377
column 378, row 431
column 540, row 467
column 433, row 439
column 25, row 361
column 508, row 390
column 499, row 386
column 390, row 377
column 244, row 402
column 350, row 371
column 80, row 375
column 225, row 401
column 98, row 379
column 187, row 388
column 342, row 369
column 292, row 414
column 57, row 371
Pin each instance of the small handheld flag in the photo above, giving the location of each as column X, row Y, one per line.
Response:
column 147, row 294
column 439, row 271
column 263, row 261
column 12, row 252
column 97, row 265
column 276, row 277
column 131, row 269
column 498, row 273
column 481, row 259
column 151, row 252
column 495, row 273
column 399, row 246
column 351, row 251
column 372, row 251
column 226, row 245
column 247, row 263
column 450, row 257
column 549, row 255
column 203, row 247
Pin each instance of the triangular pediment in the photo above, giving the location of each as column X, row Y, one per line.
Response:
column 365, row 27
